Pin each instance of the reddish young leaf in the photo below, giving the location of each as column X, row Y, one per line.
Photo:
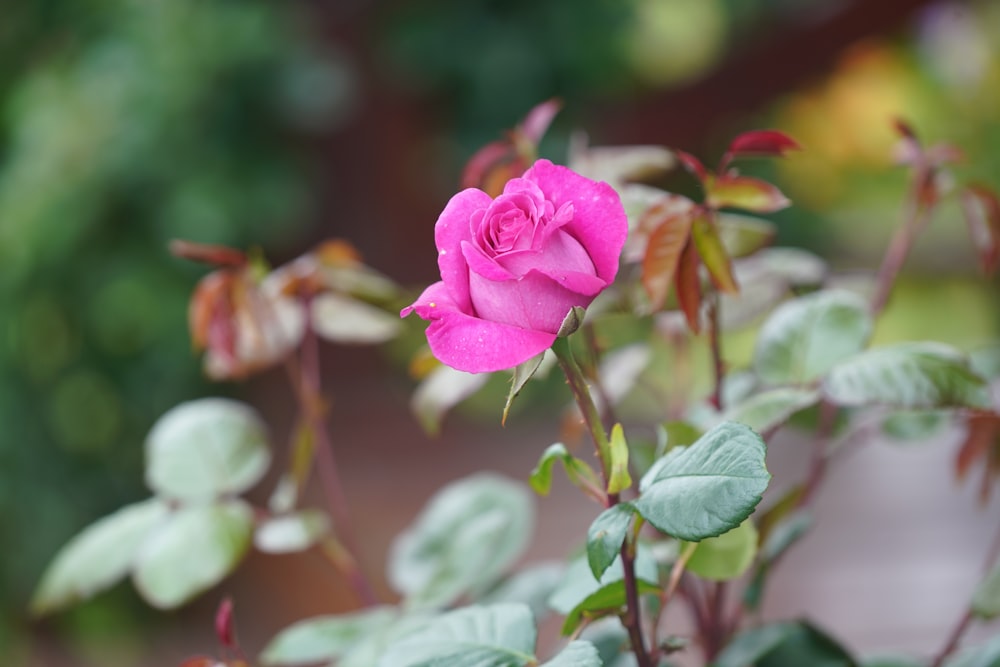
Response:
column 744, row 192
column 224, row 623
column 982, row 441
column 663, row 250
column 693, row 165
column 761, row 143
column 492, row 166
column 904, row 129
column 537, row 122
column 210, row 313
column 982, row 213
column 216, row 255
column 689, row 287
column 713, row 254
column 201, row 661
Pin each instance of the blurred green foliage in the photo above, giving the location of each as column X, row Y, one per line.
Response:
column 124, row 124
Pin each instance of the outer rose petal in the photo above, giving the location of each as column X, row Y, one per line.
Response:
column 599, row 221
column 451, row 229
column 477, row 346
column 431, row 303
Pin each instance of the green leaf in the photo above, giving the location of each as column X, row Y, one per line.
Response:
column 580, row 593
column 727, row 556
column 192, row 552
column 744, row 192
column 744, row 235
column 576, row 654
column 986, row 599
column 985, row 361
column 522, row 373
column 619, row 479
column 98, row 557
column 891, row 660
column 805, row 337
column 530, row 585
column 708, row 488
column 985, row 655
column 462, row 541
column 606, row 537
column 205, row 449
column 501, row 635
column 291, row 532
column 907, row 375
column 915, row 425
column 713, row 254
column 579, row 473
column 769, row 409
column 341, row 319
column 440, row 391
column 783, row 645
column 325, row 637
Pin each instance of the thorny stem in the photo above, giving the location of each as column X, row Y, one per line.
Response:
column 312, row 404
column 631, row 619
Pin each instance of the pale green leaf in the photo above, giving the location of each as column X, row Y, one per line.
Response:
column 727, row 556
column 606, row 536
column 291, row 532
column 907, row 375
column 325, row 637
column 98, row 557
column 708, row 488
column 531, row 585
column 744, row 235
column 984, row 655
column 577, row 471
column 466, row 536
column 341, row 319
column 205, row 449
column 891, row 660
column 521, row 374
column 769, row 409
column 501, row 635
column 576, row 654
column 440, row 391
column 784, row 644
column 192, row 552
column 986, row 599
column 805, row 337
column 619, row 479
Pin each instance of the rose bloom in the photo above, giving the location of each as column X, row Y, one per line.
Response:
column 513, row 267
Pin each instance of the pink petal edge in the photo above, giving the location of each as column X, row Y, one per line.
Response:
column 477, row 346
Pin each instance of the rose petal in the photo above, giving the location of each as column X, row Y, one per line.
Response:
column 477, row 346
column 451, row 229
column 484, row 266
column 534, row 301
column 599, row 221
column 429, row 305
column 561, row 254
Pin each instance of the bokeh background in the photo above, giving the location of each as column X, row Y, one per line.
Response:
column 127, row 123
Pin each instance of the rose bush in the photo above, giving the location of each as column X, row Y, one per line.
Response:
column 514, row 266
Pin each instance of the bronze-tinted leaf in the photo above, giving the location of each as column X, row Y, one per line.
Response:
column 982, row 442
column 713, row 253
column 745, row 192
column 982, row 213
column 693, row 165
column 689, row 287
column 762, row 143
column 663, row 250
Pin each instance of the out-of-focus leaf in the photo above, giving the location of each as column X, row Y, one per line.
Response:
column 501, row 635
column 778, row 511
column 341, row 319
column 986, row 599
column 985, row 361
column 666, row 244
column 727, row 556
column 891, row 660
column 913, row 425
column 98, row 557
column 576, row 654
column 772, row 408
column 708, row 488
column 783, row 645
column 744, row 235
column 619, row 478
column 984, row 655
column 531, row 585
column 689, row 287
column 746, row 193
column 619, row 164
column 192, row 552
column 982, row 213
column 537, row 121
column 579, row 592
column 440, row 391
column 291, row 532
column 579, row 473
column 981, row 444
column 522, row 373
column 693, row 165
column 462, row 541
column 907, row 375
column 713, row 254
column 325, row 637
column 606, row 536
column 205, row 449
column 762, row 143
column 805, row 337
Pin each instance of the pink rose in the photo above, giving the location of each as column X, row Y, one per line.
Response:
column 514, row 266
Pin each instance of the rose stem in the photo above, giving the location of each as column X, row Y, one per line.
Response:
column 312, row 404
column 631, row 619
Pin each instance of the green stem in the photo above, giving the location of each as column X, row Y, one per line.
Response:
column 631, row 619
